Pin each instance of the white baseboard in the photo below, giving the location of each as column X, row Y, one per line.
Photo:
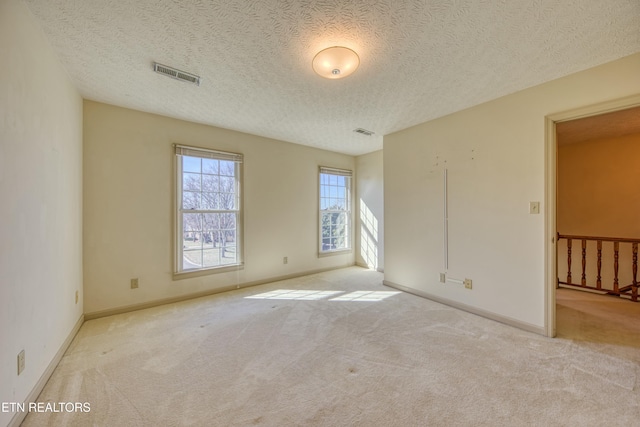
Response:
column 19, row 417
column 470, row 309
column 155, row 303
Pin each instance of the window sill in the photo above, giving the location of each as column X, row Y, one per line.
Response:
column 207, row 271
column 335, row 252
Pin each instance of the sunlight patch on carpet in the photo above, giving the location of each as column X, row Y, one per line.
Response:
column 314, row 295
column 365, row 296
column 293, row 294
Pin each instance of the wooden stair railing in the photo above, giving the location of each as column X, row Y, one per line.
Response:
column 630, row 290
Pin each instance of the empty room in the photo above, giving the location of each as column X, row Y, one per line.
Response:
column 318, row 213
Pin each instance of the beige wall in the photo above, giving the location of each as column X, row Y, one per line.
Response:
column 41, row 193
column 598, row 187
column 495, row 157
column 128, row 204
column 370, row 211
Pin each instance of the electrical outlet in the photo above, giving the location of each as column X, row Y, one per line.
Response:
column 285, row 260
column 20, row 362
column 443, row 278
column 468, row 283
column 134, row 283
column 76, row 297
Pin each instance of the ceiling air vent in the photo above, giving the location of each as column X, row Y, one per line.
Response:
column 176, row 74
column 364, row 131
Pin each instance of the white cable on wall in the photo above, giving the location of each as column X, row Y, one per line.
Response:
column 446, row 224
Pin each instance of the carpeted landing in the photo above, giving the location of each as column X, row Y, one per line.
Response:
column 360, row 356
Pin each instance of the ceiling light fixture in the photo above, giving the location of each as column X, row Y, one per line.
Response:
column 335, row 62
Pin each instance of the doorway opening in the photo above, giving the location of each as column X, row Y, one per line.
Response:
column 593, row 201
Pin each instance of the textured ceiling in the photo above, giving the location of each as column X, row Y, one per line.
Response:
column 609, row 125
column 419, row 59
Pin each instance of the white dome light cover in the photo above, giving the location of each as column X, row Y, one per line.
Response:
column 335, row 62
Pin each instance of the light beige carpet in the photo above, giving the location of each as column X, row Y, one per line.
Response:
column 340, row 360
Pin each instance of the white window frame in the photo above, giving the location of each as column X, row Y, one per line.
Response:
column 179, row 212
column 323, row 250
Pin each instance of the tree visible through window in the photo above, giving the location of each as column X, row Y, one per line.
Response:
column 208, row 217
column 335, row 209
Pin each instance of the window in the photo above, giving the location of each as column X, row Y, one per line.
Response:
column 208, row 219
column 335, row 210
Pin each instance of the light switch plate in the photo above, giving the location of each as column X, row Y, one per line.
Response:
column 534, row 208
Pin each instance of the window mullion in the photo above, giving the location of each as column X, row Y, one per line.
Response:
column 195, row 211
